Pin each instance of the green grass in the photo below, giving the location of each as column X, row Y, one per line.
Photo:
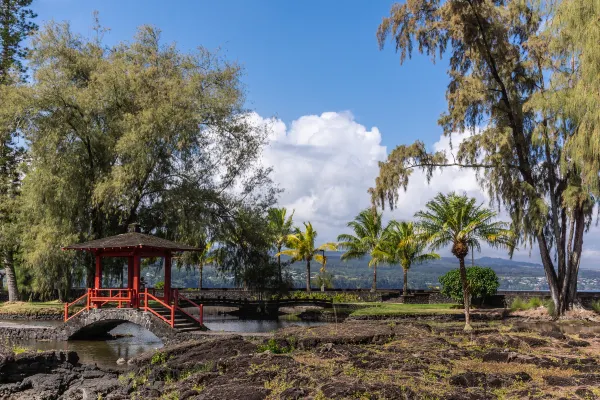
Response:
column 519, row 304
column 407, row 309
column 596, row 306
column 42, row 307
column 19, row 349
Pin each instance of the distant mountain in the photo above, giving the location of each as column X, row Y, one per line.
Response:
column 352, row 274
column 490, row 261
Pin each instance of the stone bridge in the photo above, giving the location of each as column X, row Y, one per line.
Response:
column 96, row 323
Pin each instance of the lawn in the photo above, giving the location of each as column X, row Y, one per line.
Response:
column 407, row 309
column 23, row 307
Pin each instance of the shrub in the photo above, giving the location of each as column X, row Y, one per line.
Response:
column 341, row 297
column 159, row 285
column 483, row 282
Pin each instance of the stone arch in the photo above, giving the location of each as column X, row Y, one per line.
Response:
column 95, row 322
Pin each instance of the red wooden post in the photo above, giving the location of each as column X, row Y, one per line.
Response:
column 173, row 316
column 146, row 299
column 66, row 311
column 136, row 280
column 201, row 314
column 167, row 294
column 130, row 278
column 98, row 276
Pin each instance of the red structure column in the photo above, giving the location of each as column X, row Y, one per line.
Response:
column 130, row 275
column 98, row 276
column 168, row 277
column 136, row 280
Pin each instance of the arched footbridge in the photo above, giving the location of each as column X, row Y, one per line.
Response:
column 99, row 311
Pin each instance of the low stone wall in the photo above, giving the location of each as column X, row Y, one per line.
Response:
column 31, row 316
column 26, row 332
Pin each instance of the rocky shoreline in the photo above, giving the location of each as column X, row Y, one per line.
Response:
column 350, row 360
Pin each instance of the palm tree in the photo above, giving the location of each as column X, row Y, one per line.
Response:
column 460, row 222
column 368, row 233
column 206, row 256
column 403, row 245
column 324, row 277
column 302, row 248
column 281, row 228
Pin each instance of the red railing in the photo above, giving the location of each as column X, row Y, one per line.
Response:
column 177, row 297
column 96, row 298
column 87, row 305
column 146, row 296
column 100, row 297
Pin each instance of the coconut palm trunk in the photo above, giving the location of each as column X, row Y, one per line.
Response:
column 201, row 274
column 11, row 278
column 405, row 288
column 279, row 264
column 466, row 292
column 308, row 275
column 374, row 287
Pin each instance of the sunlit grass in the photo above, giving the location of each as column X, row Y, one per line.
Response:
column 24, row 307
column 407, row 309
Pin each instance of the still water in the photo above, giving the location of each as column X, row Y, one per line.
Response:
column 132, row 340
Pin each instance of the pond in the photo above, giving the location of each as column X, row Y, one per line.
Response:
column 133, row 340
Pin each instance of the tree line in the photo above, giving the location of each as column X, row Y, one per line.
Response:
column 448, row 220
column 523, row 81
column 95, row 137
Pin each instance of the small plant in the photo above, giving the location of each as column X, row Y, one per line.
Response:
column 198, row 388
column 19, row 349
column 518, row 304
column 274, row 347
column 596, row 306
column 159, row 358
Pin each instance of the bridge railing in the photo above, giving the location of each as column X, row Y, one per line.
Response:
column 100, row 297
column 85, row 297
column 177, row 298
column 146, row 297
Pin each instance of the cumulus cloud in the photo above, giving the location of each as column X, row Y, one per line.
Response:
column 325, row 164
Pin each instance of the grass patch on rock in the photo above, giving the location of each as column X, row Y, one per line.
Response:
column 386, row 309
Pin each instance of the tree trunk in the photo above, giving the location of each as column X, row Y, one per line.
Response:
column 308, row 275
column 405, row 289
column 374, row 287
column 201, row 273
column 550, row 273
column 466, row 294
column 11, row 278
column 279, row 265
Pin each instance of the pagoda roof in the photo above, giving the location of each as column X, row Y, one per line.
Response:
column 130, row 241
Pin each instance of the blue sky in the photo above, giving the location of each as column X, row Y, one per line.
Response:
column 300, row 57
column 341, row 104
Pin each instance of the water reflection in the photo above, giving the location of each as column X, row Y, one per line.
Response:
column 136, row 340
column 228, row 323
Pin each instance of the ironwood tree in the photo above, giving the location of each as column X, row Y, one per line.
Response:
column 531, row 152
column 15, row 26
column 137, row 132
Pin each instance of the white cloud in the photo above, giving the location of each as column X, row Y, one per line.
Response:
column 325, row 164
